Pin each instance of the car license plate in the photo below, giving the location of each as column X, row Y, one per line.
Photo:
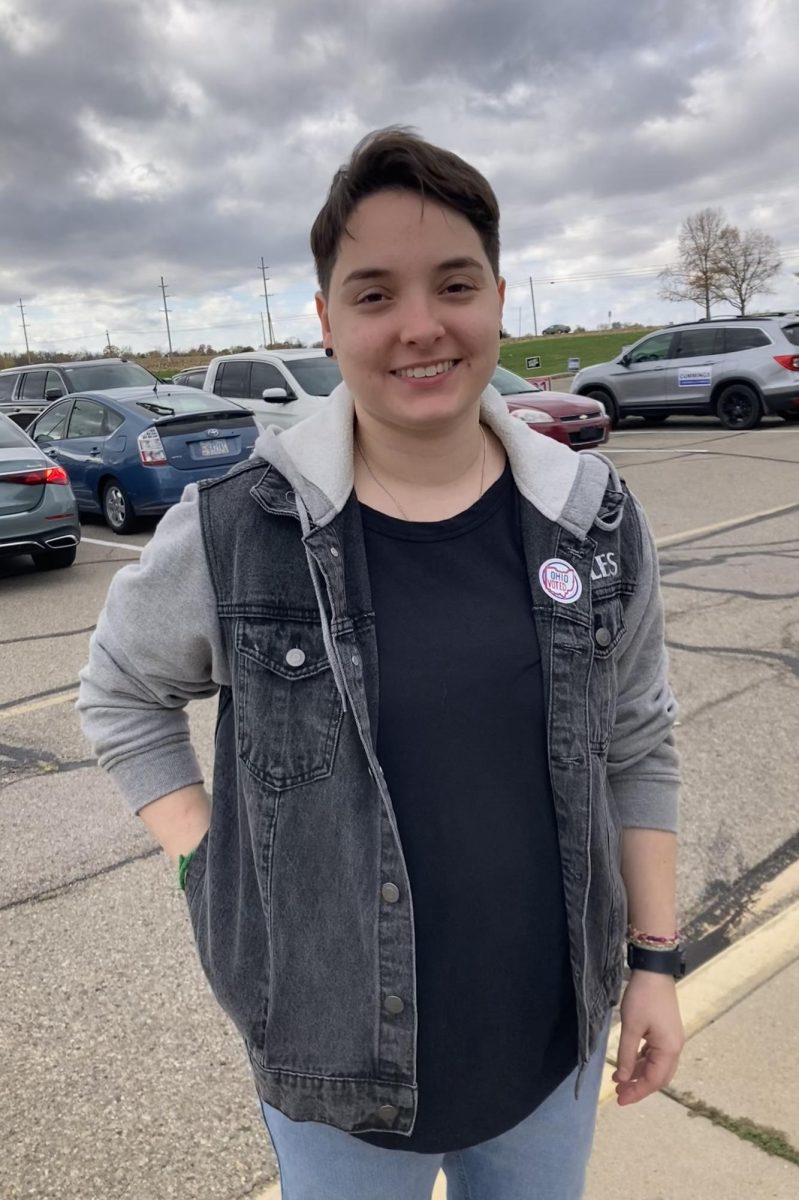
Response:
column 219, row 446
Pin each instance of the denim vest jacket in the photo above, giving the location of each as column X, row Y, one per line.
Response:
column 299, row 896
column 256, row 586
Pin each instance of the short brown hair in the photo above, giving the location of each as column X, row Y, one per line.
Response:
column 397, row 159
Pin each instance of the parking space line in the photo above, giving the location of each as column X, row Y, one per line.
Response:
column 35, row 705
column 113, row 545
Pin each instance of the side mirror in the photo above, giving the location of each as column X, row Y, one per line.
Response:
column 624, row 361
column 277, row 393
column 53, row 394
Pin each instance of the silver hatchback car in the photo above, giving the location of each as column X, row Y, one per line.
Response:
column 736, row 368
column 38, row 512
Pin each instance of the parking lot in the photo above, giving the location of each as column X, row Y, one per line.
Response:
column 121, row 1080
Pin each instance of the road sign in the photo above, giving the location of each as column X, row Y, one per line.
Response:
column 532, row 362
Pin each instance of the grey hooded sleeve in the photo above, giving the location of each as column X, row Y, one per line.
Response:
column 643, row 764
column 156, row 647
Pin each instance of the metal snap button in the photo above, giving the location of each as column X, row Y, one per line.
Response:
column 334, row 551
column 387, row 1113
column 390, row 893
column 393, row 1005
column 603, row 637
column 295, row 657
column 356, row 660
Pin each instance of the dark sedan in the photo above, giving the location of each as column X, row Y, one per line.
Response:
column 130, row 452
column 580, row 425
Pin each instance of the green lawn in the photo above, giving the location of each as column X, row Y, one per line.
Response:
column 555, row 351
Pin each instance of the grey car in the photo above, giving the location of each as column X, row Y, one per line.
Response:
column 38, row 511
column 27, row 391
column 735, row 368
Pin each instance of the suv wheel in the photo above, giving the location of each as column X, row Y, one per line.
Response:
column 117, row 509
column 739, row 407
column 610, row 404
column 54, row 560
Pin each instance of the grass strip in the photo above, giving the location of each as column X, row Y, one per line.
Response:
column 772, row 1141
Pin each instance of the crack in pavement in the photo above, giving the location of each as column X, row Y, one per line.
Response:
column 41, row 637
column 23, row 762
column 768, row 656
column 54, row 893
column 57, row 691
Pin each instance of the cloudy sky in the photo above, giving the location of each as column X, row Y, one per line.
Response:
column 186, row 139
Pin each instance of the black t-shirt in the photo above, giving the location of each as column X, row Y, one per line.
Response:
column 462, row 741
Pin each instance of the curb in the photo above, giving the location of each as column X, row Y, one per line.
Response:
column 705, row 995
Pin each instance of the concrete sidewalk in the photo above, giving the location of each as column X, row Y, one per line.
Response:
column 728, row 1127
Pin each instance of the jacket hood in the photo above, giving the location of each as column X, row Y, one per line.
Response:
column 575, row 490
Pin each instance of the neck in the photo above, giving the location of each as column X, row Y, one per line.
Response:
column 424, row 475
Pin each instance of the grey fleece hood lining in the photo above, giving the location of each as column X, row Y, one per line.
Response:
column 316, row 457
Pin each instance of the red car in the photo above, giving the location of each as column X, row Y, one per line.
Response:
column 577, row 421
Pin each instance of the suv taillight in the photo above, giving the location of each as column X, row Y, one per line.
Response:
column 789, row 361
column 151, row 448
column 36, row 478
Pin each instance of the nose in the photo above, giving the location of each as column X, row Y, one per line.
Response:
column 420, row 323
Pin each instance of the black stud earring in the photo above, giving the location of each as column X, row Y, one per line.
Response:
column 329, row 351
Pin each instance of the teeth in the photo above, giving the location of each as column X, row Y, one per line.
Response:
column 426, row 372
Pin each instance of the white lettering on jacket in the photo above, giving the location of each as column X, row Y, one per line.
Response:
column 604, row 565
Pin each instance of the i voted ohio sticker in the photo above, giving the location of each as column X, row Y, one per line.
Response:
column 560, row 581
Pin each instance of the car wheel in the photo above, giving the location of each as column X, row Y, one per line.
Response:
column 790, row 416
column 117, row 508
column 611, row 407
column 655, row 418
column 739, row 407
column 54, row 560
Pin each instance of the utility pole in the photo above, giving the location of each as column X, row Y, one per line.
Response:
column 166, row 316
column 263, row 331
column 108, row 339
column 532, row 297
column 266, row 298
column 24, row 329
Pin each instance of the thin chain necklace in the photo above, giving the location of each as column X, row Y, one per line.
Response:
column 394, row 499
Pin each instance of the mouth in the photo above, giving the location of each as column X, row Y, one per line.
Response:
column 426, row 370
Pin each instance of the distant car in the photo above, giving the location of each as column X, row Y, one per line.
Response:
column 192, row 377
column 578, row 422
column 38, row 511
column 280, row 386
column 130, row 452
column 733, row 368
column 557, row 329
column 26, row 391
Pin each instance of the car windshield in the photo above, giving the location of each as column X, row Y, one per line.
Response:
column 316, row 376
column 508, row 384
column 98, row 377
column 12, row 436
column 171, row 404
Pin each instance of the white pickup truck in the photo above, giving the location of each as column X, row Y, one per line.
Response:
column 279, row 386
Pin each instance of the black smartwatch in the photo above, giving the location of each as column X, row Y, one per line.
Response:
column 665, row 962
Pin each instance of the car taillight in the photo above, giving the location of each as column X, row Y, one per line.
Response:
column 151, row 448
column 789, row 361
column 37, row 478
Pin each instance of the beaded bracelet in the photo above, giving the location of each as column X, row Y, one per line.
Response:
column 652, row 941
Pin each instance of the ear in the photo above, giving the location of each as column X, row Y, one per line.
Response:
column 501, row 292
column 324, row 319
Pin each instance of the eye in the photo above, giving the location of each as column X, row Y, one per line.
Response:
column 459, row 287
column 371, row 298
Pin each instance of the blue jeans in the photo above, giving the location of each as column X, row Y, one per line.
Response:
column 542, row 1158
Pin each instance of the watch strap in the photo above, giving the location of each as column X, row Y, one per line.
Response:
column 665, row 962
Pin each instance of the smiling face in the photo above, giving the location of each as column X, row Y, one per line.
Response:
column 413, row 312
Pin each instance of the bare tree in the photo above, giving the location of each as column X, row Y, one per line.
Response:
column 748, row 262
column 697, row 275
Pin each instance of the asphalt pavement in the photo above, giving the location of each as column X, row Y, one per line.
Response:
column 122, row 1081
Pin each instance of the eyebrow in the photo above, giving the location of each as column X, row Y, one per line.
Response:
column 451, row 264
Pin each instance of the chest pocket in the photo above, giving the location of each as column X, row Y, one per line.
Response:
column 607, row 630
column 289, row 710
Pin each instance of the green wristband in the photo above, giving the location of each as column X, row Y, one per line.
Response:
column 183, row 866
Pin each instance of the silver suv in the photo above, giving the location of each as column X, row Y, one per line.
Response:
column 736, row 368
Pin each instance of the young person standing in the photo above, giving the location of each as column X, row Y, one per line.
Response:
column 444, row 774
